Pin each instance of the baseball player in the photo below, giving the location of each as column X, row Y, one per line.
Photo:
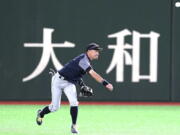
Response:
column 66, row 79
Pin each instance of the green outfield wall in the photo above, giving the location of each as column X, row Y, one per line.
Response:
column 141, row 42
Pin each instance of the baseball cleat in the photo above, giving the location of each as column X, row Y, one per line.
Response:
column 38, row 118
column 74, row 129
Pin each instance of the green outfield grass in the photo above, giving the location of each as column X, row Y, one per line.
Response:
column 93, row 120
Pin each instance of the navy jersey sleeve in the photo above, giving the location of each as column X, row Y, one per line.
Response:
column 85, row 65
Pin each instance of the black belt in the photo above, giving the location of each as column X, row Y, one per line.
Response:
column 62, row 77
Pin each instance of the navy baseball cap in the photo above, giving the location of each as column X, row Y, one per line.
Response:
column 93, row 46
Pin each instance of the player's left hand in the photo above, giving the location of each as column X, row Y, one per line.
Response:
column 86, row 91
column 109, row 87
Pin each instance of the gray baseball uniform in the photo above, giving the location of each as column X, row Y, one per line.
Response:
column 65, row 80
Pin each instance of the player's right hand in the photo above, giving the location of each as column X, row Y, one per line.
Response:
column 109, row 87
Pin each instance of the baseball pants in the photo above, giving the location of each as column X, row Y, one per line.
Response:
column 57, row 87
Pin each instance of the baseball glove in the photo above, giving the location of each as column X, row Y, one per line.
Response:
column 86, row 91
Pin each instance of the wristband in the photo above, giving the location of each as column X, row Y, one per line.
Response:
column 105, row 82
